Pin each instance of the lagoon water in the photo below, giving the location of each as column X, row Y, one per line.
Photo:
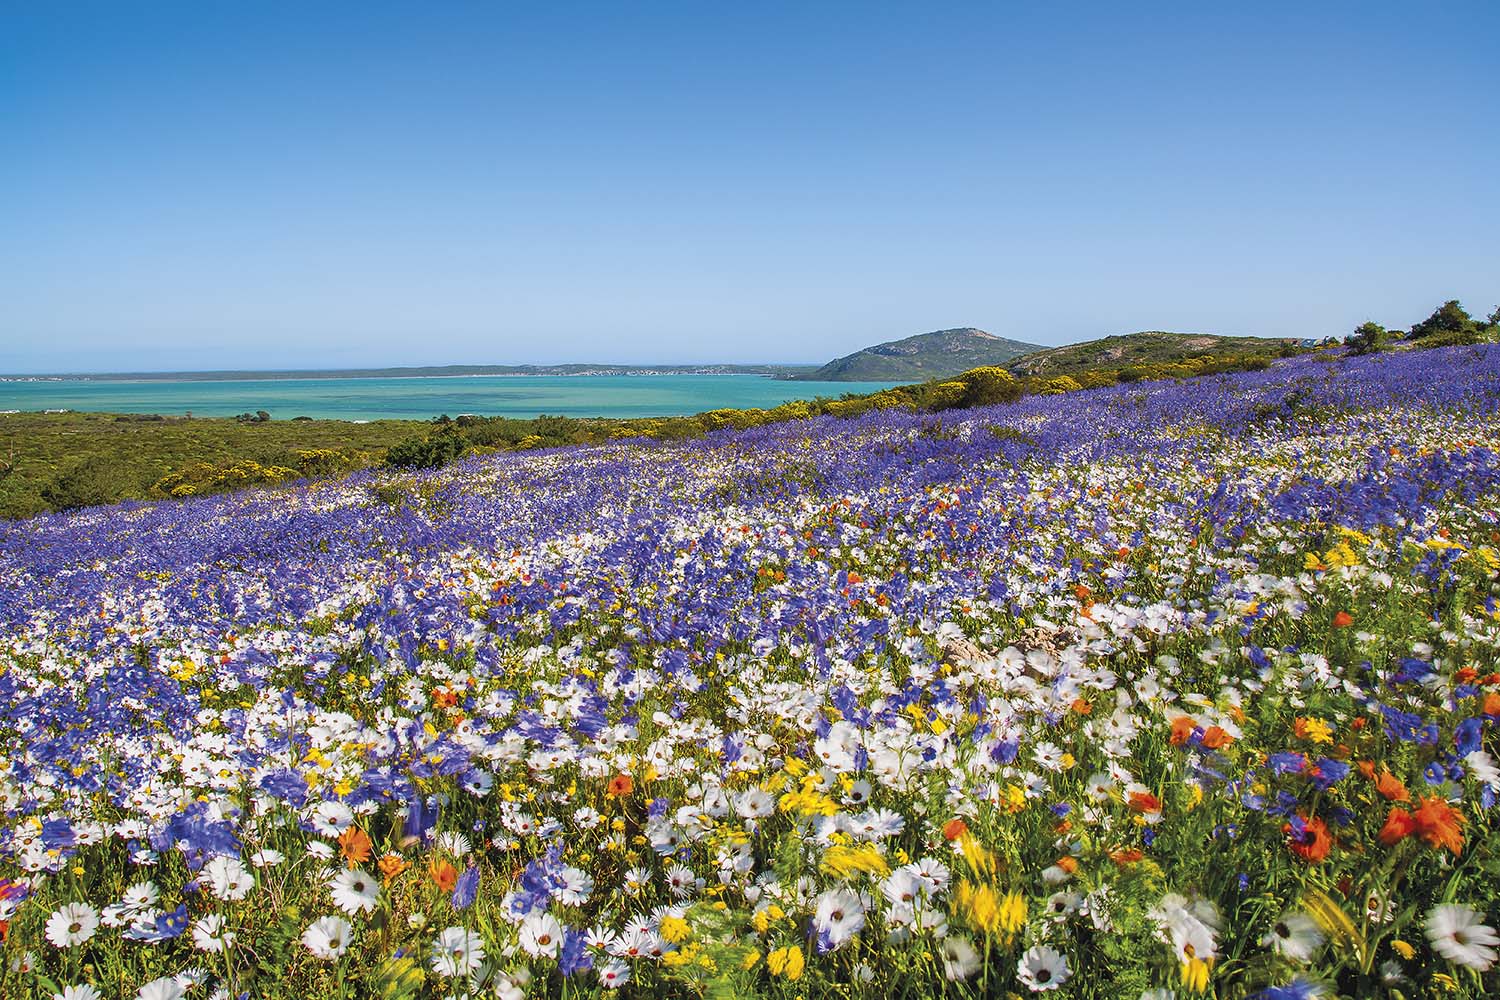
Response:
column 421, row 398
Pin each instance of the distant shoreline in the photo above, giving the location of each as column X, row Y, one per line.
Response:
column 544, row 371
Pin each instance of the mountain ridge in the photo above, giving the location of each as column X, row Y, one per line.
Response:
column 924, row 356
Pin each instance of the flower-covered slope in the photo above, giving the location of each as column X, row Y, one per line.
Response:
column 1163, row 687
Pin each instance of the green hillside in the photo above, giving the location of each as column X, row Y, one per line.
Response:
column 1153, row 346
column 939, row 354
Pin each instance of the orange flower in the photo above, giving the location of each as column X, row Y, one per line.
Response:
column 1398, row 826
column 1126, row 856
column 620, row 786
column 954, row 828
column 1144, row 802
column 1440, row 824
column 392, row 865
column 1081, row 706
column 1215, row 737
column 1491, row 704
column 1313, row 843
column 1391, row 787
column 1343, row 620
column 355, row 846
column 1182, row 730
column 1068, row 864
column 443, row 873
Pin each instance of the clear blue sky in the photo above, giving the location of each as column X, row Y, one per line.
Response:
column 225, row 184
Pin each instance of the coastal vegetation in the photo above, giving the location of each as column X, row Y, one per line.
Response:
column 54, row 462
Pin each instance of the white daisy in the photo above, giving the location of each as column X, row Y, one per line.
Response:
column 354, row 891
column 165, row 988
column 328, row 937
column 81, row 992
column 71, row 925
column 1296, row 936
column 541, row 935
column 456, row 952
column 960, row 960
column 228, row 878
column 755, row 804
column 1043, row 968
column 1459, row 934
column 331, row 818
column 614, row 975
column 838, row 916
column 454, row 843
column 210, row 934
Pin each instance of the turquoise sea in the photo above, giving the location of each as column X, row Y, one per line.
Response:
column 421, row 398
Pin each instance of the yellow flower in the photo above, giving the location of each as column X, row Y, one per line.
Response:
column 979, row 905
column 1403, row 949
column 808, row 802
column 1314, row 729
column 1012, row 912
column 763, row 918
column 786, row 962
column 751, row 958
column 846, row 862
column 675, row 929
column 979, row 858
column 1195, row 975
column 682, row 956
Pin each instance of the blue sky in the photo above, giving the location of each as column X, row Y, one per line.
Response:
column 319, row 185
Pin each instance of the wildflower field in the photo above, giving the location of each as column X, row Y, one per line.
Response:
column 1160, row 689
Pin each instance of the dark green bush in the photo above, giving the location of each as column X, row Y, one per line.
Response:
column 428, row 452
column 91, row 483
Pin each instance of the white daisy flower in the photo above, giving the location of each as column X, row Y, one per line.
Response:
column 1295, row 936
column 354, row 891
column 456, row 952
column 1459, row 934
column 328, row 937
column 1043, row 968
column 165, row 988
column 228, row 878
column 837, row 917
column 210, row 934
column 71, row 925
column 614, row 974
column 960, row 960
column 541, row 935
column 83, row 991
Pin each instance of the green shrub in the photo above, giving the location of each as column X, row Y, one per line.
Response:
column 429, row 452
column 989, row 385
column 91, row 483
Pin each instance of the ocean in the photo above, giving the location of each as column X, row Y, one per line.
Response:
column 422, row 398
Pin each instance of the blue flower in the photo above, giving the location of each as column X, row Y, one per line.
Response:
column 466, row 888
column 1468, row 737
column 574, row 956
column 1297, row 989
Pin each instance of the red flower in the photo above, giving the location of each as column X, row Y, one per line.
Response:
column 1309, row 839
column 1343, row 620
column 1398, row 826
column 1440, row 824
column 954, row 828
column 1182, row 730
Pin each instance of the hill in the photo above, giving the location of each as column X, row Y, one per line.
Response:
column 926, row 356
column 1152, row 346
